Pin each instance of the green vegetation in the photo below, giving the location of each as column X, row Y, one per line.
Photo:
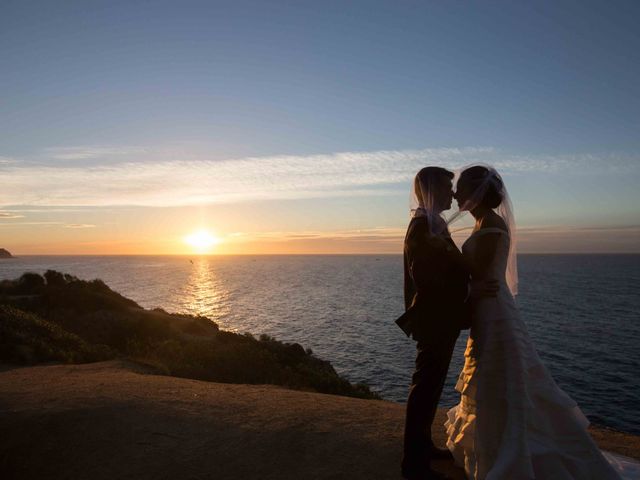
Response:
column 57, row 317
column 26, row 338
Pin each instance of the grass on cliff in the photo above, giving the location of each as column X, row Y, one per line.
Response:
column 57, row 317
column 26, row 339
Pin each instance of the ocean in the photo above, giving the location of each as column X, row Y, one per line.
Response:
column 582, row 311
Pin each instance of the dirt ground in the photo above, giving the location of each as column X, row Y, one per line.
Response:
column 117, row 420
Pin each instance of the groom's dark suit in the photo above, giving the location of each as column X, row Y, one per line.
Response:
column 435, row 290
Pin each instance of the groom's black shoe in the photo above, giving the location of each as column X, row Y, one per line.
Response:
column 440, row 453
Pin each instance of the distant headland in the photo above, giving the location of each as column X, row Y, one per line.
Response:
column 5, row 253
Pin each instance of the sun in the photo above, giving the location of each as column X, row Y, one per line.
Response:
column 201, row 241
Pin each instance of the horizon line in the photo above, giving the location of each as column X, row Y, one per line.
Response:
column 16, row 256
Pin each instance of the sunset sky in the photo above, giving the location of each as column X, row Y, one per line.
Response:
column 296, row 127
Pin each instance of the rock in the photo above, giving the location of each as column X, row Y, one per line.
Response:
column 5, row 253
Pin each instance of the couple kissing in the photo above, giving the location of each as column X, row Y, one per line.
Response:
column 513, row 422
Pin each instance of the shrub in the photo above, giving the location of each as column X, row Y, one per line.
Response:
column 54, row 278
column 27, row 339
column 30, row 283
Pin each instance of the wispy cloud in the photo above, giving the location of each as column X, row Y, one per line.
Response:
column 90, row 152
column 139, row 178
column 8, row 215
column 21, row 224
column 19, row 209
column 579, row 239
column 539, row 239
column 79, row 225
column 380, row 233
column 576, row 164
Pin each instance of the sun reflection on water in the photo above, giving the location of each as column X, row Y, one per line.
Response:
column 204, row 292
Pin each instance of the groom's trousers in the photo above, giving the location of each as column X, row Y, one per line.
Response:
column 432, row 363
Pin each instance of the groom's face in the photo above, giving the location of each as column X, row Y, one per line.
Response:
column 444, row 193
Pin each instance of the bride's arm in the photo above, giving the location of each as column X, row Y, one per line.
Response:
column 485, row 252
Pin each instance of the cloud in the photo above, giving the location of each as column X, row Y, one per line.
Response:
column 45, row 209
column 566, row 229
column 380, row 233
column 90, row 152
column 6, row 215
column 19, row 224
column 538, row 239
column 575, row 164
column 79, row 225
column 579, row 239
column 144, row 177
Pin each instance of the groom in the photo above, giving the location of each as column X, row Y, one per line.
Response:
column 435, row 292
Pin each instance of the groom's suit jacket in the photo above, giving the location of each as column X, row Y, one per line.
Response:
column 435, row 287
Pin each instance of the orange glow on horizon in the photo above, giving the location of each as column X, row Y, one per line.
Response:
column 161, row 239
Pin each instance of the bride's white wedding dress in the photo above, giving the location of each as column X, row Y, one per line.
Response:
column 513, row 422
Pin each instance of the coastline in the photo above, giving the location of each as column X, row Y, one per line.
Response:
column 568, row 351
column 119, row 419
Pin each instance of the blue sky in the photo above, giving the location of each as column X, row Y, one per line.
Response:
column 312, row 117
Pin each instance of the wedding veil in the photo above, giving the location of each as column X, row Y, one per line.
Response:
column 487, row 181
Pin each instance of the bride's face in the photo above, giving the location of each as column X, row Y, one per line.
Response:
column 463, row 193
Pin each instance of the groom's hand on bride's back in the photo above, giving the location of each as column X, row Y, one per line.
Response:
column 484, row 288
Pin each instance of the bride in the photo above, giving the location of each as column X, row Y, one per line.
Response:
column 513, row 422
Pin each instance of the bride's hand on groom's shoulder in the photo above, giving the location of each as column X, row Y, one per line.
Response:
column 484, row 288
